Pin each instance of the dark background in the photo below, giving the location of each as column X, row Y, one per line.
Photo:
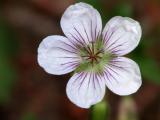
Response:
column 29, row 93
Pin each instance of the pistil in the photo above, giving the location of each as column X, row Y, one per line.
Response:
column 93, row 57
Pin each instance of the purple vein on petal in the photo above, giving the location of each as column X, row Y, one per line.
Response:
column 79, row 41
column 95, row 32
column 107, row 71
column 79, row 76
column 82, row 81
column 105, row 74
column 91, row 31
column 80, row 35
column 99, row 34
column 76, row 38
column 114, row 48
column 109, row 67
column 107, row 38
column 105, row 35
column 85, row 32
column 115, row 41
column 116, row 52
column 99, row 31
column 89, row 80
column 101, row 77
column 67, row 57
column 119, row 67
column 94, row 81
column 72, row 40
column 70, row 62
column 66, row 50
column 117, row 61
column 73, row 65
column 72, row 46
column 83, row 44
column 98, row 80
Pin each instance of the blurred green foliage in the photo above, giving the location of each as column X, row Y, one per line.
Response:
column 7, row 79
column 29, row 116
column 122, row 9
column 148, row 65
column 100, row 111
column 150, row 70
column 8, row 43
column 7, row 70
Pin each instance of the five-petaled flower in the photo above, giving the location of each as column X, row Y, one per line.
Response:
column 94, row 55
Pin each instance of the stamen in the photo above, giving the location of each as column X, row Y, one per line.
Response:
column 93, row 57
column 93, row 47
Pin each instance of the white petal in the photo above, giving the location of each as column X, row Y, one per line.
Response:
column 81, row 22
column 57, row 55
column 85, row 89
column 123, row 76
column 121, row 35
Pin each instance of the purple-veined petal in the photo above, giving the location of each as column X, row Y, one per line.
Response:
column 121, row 35
column 122, row 76
column 81, row 23
column 85, row 89
column 57, row 55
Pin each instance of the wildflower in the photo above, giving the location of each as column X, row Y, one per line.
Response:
column 94, row 55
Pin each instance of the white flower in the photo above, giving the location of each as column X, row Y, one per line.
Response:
column 93, row 54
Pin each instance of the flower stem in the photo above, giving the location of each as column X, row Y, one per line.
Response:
column 99, row 111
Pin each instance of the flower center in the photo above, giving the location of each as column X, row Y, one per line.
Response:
column 94, row 57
